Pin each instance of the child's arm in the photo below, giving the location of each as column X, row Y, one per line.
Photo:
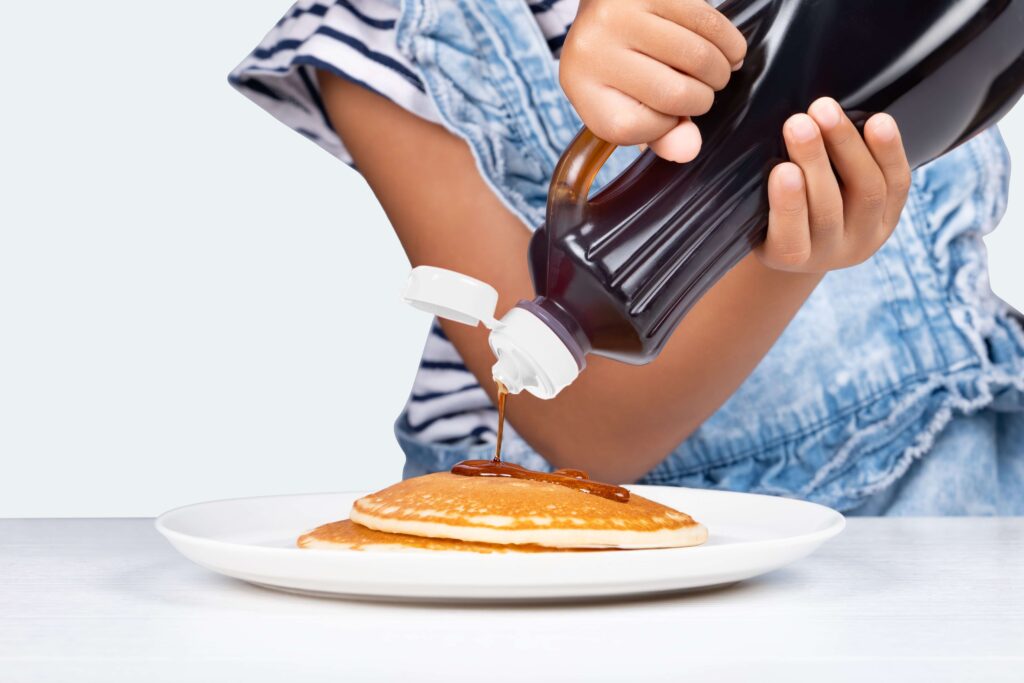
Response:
column 619, row 421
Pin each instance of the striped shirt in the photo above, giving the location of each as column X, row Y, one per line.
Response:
column 356, row 40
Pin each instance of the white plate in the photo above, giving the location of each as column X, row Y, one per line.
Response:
column 253, row 539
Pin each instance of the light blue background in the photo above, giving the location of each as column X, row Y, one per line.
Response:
column 181, row 314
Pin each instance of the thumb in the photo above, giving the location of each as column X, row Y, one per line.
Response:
column 681, row 144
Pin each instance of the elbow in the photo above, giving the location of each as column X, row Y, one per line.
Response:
column 612, row 431
column 616, row 453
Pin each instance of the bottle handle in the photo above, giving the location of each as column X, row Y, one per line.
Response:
column 573, row 177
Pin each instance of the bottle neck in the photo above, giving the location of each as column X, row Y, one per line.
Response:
column 562, row 324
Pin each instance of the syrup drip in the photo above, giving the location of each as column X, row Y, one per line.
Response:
column 502, row 397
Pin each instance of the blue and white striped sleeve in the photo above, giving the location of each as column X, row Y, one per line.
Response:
column 353, row 39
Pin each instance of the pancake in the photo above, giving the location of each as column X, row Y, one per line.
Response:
column 507, row 511
column 347, row 535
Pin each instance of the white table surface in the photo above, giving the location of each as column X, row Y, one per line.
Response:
column 890, row 599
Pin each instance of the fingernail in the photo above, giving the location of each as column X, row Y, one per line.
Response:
column 801, row 128
column 791, row 178
column 826, row 112
column 737, row 66
column 884, row 127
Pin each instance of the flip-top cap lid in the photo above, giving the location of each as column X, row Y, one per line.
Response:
column 531, row 356
column 451, row 295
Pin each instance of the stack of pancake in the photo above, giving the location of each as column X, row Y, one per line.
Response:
column 498, row 514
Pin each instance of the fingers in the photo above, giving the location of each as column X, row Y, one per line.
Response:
column 822, row 219
column 637, row 71
column 883, row 139
column 707, row 22
column 644, row 107
column 788, row 243
column 864, row 187
column 620, row 119
column 661, row 87
column 680, row 49
column 806, row 149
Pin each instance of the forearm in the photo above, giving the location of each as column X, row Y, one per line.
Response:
column 616, row 421
column 625, row 419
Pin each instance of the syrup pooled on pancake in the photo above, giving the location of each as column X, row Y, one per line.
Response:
column 574, row 479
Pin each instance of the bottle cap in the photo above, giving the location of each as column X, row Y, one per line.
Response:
column 531, row 356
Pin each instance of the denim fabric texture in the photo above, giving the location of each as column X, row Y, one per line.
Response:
column 899, row 386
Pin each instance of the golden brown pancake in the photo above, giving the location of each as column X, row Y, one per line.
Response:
column 506, row 511
column 347, row 535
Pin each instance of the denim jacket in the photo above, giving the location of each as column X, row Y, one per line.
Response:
column 899, row 386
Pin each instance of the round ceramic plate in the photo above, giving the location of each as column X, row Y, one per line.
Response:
column 253, row 539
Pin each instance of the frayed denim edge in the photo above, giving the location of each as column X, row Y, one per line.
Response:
column 971, row 297
column 954, row 403
column 416, row 17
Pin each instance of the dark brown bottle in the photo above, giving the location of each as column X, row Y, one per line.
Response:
column 615, row 275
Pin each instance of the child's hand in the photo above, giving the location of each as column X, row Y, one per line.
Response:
column 816, row 224
column 636, row 70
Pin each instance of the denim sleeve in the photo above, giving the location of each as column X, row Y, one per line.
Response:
column 495, row 83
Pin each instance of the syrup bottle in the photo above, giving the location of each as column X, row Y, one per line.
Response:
column 615, row 273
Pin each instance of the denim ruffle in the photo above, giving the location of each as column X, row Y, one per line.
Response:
column 495, row 84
